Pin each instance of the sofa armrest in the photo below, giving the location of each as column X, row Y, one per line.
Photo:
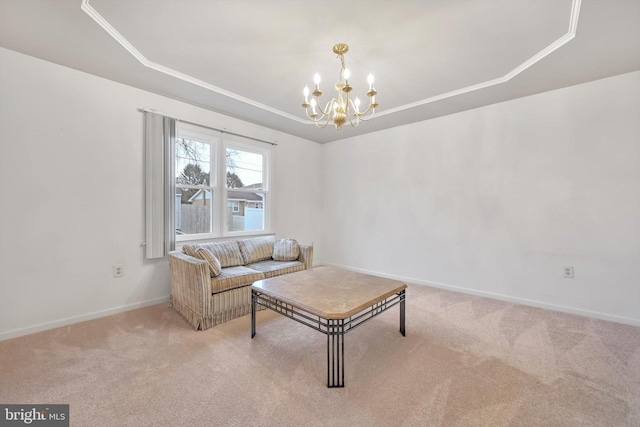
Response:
column 190, row 283
column 306, row 256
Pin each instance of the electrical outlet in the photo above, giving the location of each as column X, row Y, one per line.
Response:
column 568, row 271
column 118, row 270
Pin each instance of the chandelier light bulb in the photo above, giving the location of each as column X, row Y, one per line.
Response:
column 306, row 94
column 316, row 79
column 370, row 80
column 346, row 74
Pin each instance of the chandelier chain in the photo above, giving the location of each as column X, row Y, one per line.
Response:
column 343, row 66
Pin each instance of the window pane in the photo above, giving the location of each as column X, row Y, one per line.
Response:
column 193, row 162
column 245, row 211
column 244, row 169
column 193, row 211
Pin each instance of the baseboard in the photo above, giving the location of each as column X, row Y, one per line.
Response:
column 516, row 300
column 80, row 318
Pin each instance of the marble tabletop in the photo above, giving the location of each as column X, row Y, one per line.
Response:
column 329, row 292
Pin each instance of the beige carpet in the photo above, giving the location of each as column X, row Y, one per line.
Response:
column 466, row 361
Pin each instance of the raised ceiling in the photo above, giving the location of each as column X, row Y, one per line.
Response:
column 251, row 58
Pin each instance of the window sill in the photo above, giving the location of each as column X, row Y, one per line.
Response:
column 186, row 240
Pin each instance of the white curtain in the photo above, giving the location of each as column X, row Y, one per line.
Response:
column 160, row 200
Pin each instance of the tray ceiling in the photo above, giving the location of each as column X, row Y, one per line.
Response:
column 251, row 58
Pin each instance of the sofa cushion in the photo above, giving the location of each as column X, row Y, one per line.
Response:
column 234, row 277
column 257, row 249
column 214, row 263
column 286, row 250
column 273, row 268
column 227, row 252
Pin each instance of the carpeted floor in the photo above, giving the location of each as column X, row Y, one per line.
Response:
column 466, row 361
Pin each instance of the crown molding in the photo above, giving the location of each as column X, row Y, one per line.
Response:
column 93, row 14
column 567, row 37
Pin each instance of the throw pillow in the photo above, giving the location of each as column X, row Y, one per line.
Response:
column 227, row 251
column 189, row 250
column 286, row 250
column 257, row 249
column 214, row 263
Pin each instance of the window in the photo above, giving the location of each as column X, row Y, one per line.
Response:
column 195, row 185
column 246, row 185
column 235, row 206
column 221, row 185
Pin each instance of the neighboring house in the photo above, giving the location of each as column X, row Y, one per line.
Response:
column 198, row 200
column 237, row 201
column 245, row 211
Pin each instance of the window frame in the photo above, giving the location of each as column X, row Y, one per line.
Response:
column 239, row 143
column 202, row 135
column 217, row 180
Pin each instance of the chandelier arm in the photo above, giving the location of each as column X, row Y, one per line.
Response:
column 322, row 115
column 306, row 112
column 369, row 108
column 355, row 125
column 366, row 119
column 355, row 110
column 326, row 111
column 355, row 114
column 318, row 120
column 313, row 119
column 322, row 126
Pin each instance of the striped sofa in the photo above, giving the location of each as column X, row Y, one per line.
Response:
column 211, row 282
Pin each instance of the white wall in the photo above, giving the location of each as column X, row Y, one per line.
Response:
column 493, row 201
column 496, row 200
column 71, row 193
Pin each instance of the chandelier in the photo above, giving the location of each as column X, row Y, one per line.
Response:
column 341, row 108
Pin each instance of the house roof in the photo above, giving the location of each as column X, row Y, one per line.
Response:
column 231, row 195
column 241, row 195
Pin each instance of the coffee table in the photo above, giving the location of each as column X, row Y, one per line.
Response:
column 332, row 301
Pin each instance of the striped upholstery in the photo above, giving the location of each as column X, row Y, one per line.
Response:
column 235, row 277
column 272, row 268
column 190, row 287
column 189, row 250
column 286, row 250
column 214, row 263
column 306, row 256
column 256, row 249
column 227, row 252
column 205, row 301
column 220, row 308
column 228, row 305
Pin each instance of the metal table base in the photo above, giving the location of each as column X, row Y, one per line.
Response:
column 335, row 329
